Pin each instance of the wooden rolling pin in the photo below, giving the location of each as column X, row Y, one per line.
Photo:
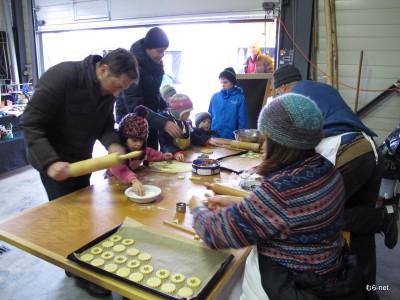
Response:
column 246, row 146
column 238, row 145
column 180, row 227
column 226, row 190
column 99, row 163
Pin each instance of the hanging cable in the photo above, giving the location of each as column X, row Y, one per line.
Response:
column 324, row 73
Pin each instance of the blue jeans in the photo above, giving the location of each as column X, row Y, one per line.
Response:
column 56, row 189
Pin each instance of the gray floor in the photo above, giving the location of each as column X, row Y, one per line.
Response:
column 23, row 276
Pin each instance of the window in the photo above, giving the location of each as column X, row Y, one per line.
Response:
column 194, row 59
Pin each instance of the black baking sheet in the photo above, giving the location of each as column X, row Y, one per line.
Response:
column 206, row 287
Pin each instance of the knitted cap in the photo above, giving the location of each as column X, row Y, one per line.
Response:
column 179, row 104
column 292, row 120
column 200, row 117
column 167, row 91
column 286, row 74
column 156, row 38
column 230, row 74
column 134, row 125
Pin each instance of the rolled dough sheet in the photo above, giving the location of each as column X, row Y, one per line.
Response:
column 171, row 167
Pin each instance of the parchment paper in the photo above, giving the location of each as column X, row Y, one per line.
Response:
column 239, row 164
column 170, row 251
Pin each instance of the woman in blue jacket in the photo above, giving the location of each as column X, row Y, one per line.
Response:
column 228, row 107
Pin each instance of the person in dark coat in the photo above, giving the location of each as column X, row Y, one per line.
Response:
column 71, row 108
column 149, row 52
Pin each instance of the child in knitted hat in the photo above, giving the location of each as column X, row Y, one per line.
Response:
column 295, row 215
column 167, row 92
column 133, row 131
column 228, row 107
column 202, row 133
column 180, row 107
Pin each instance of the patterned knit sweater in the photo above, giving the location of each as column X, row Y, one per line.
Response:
column 295, row 218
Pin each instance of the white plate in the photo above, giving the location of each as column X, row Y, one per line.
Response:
column 151, row 192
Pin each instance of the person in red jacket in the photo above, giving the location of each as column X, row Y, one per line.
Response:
column 258, row 62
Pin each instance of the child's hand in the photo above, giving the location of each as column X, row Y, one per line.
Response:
column 214, row 143
column 168, row 156
column 216, row 203
column 137, row 187
column 180, row 157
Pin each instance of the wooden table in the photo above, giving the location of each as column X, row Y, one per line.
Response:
column 55, row 229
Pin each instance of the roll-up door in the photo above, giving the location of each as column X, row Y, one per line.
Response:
column 79, row 14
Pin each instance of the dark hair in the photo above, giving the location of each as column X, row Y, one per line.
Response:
column 121, row 61
column 278, row 157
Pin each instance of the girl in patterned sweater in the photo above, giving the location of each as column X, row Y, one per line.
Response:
column 294, row 219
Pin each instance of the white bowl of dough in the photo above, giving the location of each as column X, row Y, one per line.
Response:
column 151, row 192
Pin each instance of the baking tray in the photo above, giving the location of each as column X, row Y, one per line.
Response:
column 236, row 164
column 199, row 294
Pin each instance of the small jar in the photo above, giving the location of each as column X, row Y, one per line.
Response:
column 181, row 207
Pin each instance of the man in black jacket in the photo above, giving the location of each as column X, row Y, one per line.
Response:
column 71, row 108
column 149, row 52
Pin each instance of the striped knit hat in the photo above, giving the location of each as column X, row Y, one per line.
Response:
column 134, row 125
column 167, row 91
column 292, row 120
column 179, row 104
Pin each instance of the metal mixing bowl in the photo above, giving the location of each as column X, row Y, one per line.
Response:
column 247, row 135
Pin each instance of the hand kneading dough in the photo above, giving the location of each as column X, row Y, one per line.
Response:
column 174, row 167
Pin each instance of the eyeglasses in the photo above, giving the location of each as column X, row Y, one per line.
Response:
column 279, row 91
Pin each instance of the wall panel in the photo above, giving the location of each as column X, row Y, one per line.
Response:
column 372, row 27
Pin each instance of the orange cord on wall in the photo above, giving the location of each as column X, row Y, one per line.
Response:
column 315, row 67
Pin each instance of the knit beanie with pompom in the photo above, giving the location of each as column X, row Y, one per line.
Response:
column 134, row 125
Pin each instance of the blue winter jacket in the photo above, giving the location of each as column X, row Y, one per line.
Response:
column 229, row 112
column 338, row 117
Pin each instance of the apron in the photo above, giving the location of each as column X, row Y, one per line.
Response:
column 329, row 146
column 252, row 287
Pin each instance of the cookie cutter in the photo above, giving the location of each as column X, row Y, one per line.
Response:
column 181, row 207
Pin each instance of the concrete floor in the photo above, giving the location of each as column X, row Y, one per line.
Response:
column 24, row 276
